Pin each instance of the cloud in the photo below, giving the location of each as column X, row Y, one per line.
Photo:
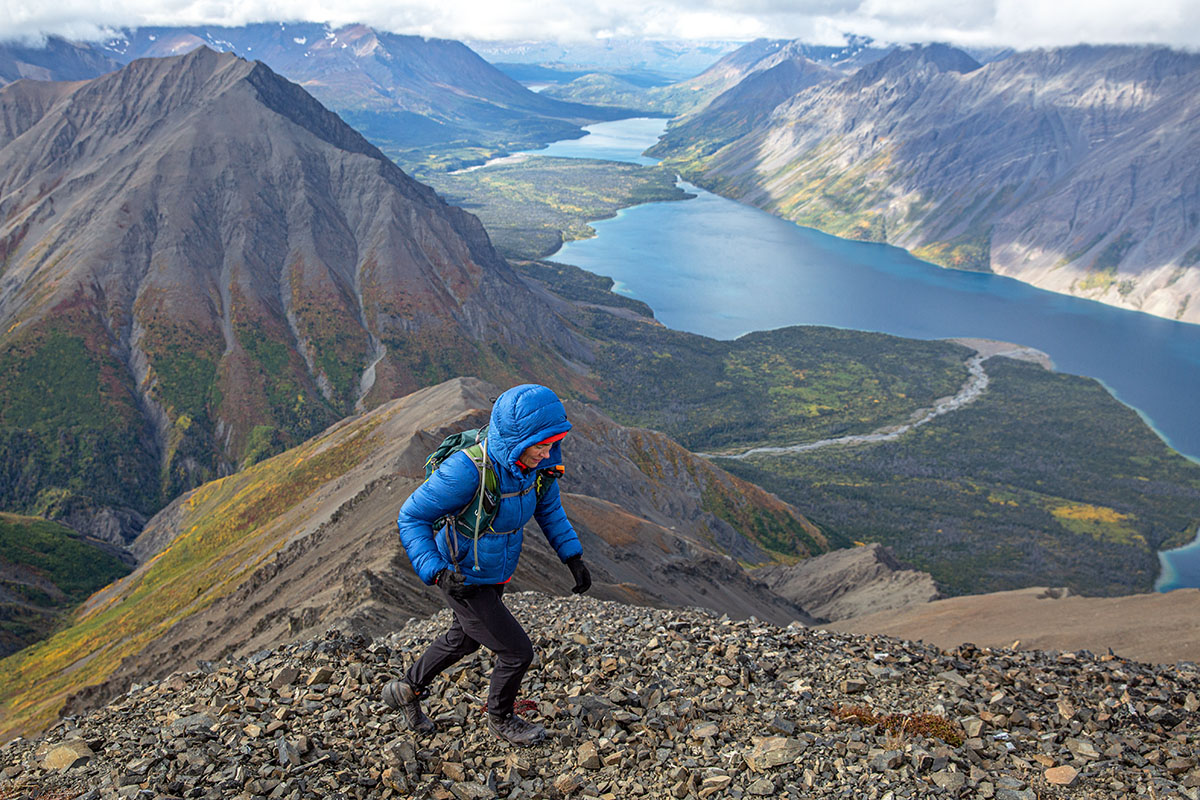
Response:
column 1016, row 23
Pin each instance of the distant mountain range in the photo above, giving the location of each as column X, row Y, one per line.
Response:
column 201, row 265
column 688, row 96
column 672, row 59
column 406, row 94
column 1071, row 169
column 55, row 60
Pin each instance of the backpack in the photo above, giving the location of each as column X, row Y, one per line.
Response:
column 475, row 518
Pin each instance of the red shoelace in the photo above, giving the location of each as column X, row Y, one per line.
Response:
column 521, row 707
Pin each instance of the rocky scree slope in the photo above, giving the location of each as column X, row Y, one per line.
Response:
column 638, row 703
column 1070, row 168
column 200, row 266
column 307, row 540
column 851, row 582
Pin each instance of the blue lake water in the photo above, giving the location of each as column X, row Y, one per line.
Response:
column 623, row 140
column 719, row 268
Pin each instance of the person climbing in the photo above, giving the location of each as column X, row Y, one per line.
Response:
column 470, row 562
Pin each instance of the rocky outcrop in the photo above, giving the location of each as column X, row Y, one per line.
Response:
column 1067, row 168
column 639, row 703
column 850, row 583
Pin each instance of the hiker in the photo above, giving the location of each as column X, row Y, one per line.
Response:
column 471, row 566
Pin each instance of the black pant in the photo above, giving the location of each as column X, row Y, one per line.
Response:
column 480, row 619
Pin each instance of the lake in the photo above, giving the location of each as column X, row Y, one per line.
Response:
column 716, row 267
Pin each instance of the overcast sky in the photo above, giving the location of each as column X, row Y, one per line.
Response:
column 1018, row 23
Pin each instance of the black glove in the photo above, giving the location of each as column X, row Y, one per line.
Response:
column 454, row 584
column 579, row 571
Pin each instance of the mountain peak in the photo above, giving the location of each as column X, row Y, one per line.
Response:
column 240, row 267
column 926, row 58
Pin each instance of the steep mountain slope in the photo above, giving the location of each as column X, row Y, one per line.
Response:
column 307, row 540
column 1071, row 169
column 404, row 93
column 746, row 106
column 201, row 265
column 54, row 60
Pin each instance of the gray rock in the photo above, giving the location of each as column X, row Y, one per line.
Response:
column 68, row 755
column 761, row 788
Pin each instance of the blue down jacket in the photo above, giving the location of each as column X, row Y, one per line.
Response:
column 522, row 416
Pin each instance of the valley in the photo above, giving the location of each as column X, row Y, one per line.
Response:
column 990, row 167
column 531, row 206
column 235, row 322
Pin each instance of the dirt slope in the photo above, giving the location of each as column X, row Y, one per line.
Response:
column 1157, row 628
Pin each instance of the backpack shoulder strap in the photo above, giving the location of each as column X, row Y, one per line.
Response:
column 546, row 478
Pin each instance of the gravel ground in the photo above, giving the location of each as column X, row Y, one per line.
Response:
column 639, row 703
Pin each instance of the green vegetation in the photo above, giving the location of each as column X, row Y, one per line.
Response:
column 820, row 192
column 580, row 285
column 1045, row 480
column 227, row 528
column 70, row 433
column 424, row 147
column 294, row 405
column 773, row 530
column 1097, row 279
column 47, row 568
column 338, row 344
column 971, row 252
column 1110, row 257
column 771, row 387
column 184, row 363
column 531, row 207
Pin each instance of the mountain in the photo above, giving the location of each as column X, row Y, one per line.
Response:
column 409, row 95
column 1069, row 169
column 56, row 59
column 307, row 540
column 747, row 105
column 201, row 265
column 640, row 703
column 765, row 55
column 788, row 59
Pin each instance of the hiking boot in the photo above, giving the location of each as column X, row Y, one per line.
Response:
column 513, row 729
column 400, row 696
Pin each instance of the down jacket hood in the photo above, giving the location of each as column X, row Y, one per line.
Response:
column 523, row 416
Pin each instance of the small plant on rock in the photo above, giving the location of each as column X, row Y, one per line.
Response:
column 931, row 725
